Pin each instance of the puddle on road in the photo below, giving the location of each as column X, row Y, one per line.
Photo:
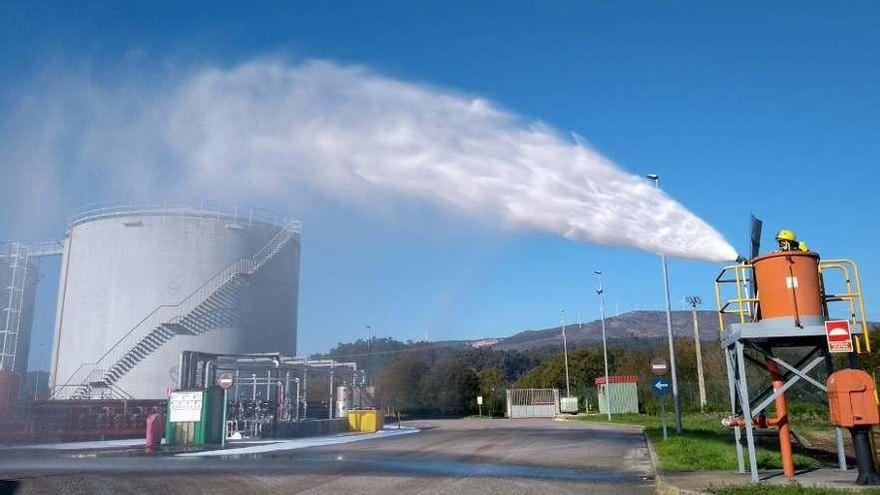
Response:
column 433, row 466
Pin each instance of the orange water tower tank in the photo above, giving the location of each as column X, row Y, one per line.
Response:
column 789, row 287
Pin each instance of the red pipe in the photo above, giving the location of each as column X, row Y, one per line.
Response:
column 782, row 421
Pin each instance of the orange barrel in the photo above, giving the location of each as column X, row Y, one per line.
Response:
column 9, row 384
column 788, row 286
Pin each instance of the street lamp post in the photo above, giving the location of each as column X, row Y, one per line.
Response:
column 695, row 301
column 675, row 403
column 565, row 355
column 369, row 355
column 600, row 290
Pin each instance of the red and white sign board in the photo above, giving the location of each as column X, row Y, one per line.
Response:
column 839, row 336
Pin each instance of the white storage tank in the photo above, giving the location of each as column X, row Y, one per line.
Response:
column 140, row 284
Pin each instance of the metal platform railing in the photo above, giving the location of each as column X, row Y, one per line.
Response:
column 34, row 249
column 745, row 306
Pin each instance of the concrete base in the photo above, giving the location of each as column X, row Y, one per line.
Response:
column 701, row 481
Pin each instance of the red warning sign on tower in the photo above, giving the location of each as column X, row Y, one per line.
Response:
column 839, row 336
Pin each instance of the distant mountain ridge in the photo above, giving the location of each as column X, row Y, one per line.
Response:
column 625, row 328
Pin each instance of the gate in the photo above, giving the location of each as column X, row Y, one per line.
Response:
column 532, row 402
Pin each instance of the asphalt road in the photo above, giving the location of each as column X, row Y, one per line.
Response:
column 445, row 457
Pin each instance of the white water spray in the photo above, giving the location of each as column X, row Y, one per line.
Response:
column 273, row 128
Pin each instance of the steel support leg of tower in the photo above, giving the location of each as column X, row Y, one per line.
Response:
column 838, row 432
column 745, row 406
column 751, row 406
column 730, row 362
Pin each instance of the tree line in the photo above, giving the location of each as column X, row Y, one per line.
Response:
column 428, row 379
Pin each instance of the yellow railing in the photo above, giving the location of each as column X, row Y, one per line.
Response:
column 857, row 313
column 744, row 305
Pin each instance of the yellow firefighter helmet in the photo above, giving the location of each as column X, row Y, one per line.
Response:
column 786, row 235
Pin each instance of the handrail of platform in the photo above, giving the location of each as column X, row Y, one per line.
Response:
column 742, row 303
column 851, row 297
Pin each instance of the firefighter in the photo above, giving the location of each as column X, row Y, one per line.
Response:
column 788, row 241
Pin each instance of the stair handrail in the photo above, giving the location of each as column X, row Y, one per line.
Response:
column 284, row 234
column 153, row 320
column 185, row 306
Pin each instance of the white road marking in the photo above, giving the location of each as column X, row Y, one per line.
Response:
column 99, row 444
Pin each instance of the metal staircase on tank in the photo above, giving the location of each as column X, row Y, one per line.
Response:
column 207, row 308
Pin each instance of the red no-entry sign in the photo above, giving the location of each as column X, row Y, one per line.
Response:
column 839, row 336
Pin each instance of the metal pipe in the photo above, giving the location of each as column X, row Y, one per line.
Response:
column 287, row 395
column 254, row 387
column 782, row 420
column 208, row 376
column 237, row 396
column 305, row 393
column 296, row 415
column 180, row 369
column 330, row 401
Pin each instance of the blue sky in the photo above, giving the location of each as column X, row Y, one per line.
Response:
column 741, row 107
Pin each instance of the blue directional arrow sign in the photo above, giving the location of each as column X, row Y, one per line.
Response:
column 660, row 385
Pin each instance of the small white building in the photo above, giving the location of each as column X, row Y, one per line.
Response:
column 622, row 394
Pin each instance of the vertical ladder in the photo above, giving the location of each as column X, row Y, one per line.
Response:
column 18, row 262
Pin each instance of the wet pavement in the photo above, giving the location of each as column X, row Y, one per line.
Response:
column 444, row 456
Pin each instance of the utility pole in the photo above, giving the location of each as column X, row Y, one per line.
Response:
column 565, row 354
column 369, row 355
column 600, row 290
column 695, row 301
column 672, row 368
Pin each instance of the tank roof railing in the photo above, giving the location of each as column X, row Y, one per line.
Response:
column 206, row 209
column 31, row 249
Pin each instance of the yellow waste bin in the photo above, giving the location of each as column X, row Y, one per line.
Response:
column 365, row 420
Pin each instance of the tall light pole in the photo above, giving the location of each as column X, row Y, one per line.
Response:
column 565, row 354
column 600, row 290
column 369, row 355
column 695, row 301
column 656, row 179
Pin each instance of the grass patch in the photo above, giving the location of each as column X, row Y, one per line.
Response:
column 792, row 489
column 704, row 444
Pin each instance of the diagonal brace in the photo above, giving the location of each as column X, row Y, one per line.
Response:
column 798, row 374
column 802, row 373
column 768, row 355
